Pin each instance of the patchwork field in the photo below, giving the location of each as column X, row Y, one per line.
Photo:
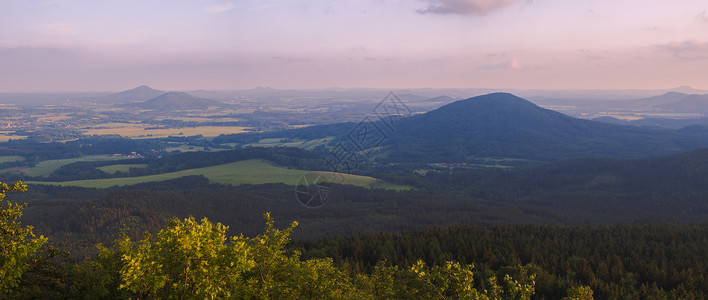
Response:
column 11, row 158
column 46, row 167
column 254, row 171
column 284, row 142
column 7, row 135
column 112, row 169
column 136, row 130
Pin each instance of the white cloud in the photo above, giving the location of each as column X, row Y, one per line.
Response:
column 466, row 7
column 219, row 8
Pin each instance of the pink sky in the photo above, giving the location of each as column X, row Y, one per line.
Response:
column 71, row 45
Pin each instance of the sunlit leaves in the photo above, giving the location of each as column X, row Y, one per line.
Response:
column 17, row 243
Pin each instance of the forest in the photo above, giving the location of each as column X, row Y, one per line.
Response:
column 201, row 259
column 618, row 229
column 196, row 260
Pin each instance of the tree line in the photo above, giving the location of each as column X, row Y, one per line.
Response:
column 190, row 259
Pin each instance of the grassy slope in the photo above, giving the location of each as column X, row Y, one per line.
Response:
column 120, row 168
column 254, row 171
column 10, row 158
column 45, row 168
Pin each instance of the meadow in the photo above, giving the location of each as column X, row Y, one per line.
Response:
column 11, row 158
column 254, row 171
column 45, row 168
column 112, row 169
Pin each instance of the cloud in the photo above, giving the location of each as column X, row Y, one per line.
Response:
column 506, row 65
column 466, row 7
column 687, row 49
column 290, row 59
column 55, row 29
column 496, row 54
column 701, row 17
column 219, row 8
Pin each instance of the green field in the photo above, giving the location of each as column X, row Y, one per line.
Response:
column 112, row 169
column 11, row 158
column 283, row 142
column 45, row 168
column 254, row 171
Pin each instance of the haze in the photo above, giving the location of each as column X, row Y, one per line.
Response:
column 66, row 45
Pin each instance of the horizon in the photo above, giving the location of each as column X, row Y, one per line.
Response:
column 685, row 89
column 71, row 46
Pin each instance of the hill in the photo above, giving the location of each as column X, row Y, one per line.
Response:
column 141, row 93
column 503, row 125
column 689, row 104
column 177, row 101
column 500, row 125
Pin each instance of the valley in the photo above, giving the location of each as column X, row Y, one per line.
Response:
column 495, row 160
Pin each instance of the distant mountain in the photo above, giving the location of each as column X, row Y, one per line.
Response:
column 662, row 99
column 687, row 90
column 177, row 101
column 502, row 125
column 138, row 94
column 411, row 97
column 689, row 104
column 440, row 99
column 659, row 123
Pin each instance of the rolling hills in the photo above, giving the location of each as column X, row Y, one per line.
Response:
column 177, row 101
column 501, row 125
column 138, row 94
column 254, row 171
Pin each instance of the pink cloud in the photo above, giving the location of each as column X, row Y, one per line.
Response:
column 687, row 49
column 506, row 65
column 55, row 29
column 701, row 17
column 466, row 7
column 219, row 8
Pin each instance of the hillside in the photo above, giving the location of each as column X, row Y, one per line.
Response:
column 689, row 104
column 177, row 101
column 253, row 171
column 141, row 93
column 503, row 125
column 500, row 125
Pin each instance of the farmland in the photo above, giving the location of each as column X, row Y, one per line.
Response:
column 45, row 168
column 11, row 158
column 112, row 169
column 139, row 130
column 254, row 171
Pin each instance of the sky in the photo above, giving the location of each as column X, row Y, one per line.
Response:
column 102, row 45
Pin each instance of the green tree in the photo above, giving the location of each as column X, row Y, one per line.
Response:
column 582, row 292
column 280, row 275
column 17, row 243
column 187, row 260
column 454, row 280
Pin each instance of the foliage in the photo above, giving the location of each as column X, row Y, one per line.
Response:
column 17, row 243
column 186, row 258
column 453, row 280
column 579, row 293
column 619, row 261
column 195, row 260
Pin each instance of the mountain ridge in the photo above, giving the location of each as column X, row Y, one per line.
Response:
column 502, row 125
